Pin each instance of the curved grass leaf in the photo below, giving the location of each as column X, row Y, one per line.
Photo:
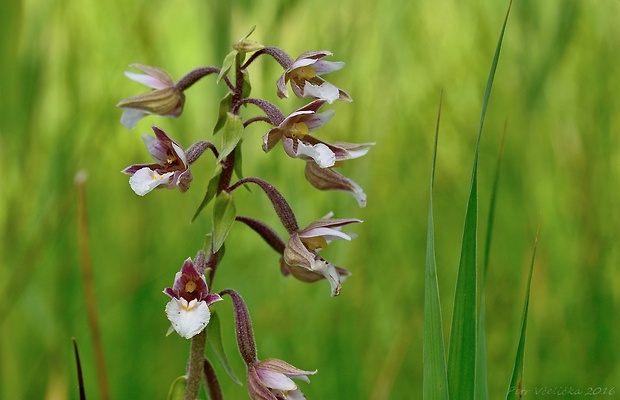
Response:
column 435, row 383
column 516, row 381
column 482, row 389
column 462, row 346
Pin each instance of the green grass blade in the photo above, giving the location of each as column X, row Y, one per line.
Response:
column 462, row 347
column 482, row 389
column 435, row 383
column 516, row 381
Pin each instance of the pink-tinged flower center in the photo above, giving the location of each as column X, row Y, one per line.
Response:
column 306, row 72
column 300, row 129
column 190, row 288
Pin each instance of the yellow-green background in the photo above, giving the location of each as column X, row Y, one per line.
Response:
column 557, row 90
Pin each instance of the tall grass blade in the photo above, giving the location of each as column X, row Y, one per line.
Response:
column 86, row 263
column 78, row 366
column 462, row 347
column 482, row 388
column 435, row 383
column 516, row 381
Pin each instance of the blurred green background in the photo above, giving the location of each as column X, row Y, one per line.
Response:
column 556, row 88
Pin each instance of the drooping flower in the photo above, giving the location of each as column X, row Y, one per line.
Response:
column 271, row 379
column 303, row 246
column 294, row 131
column 166, row 99
column 170, row 170
column 328, row 179
column 188, row 308
column 304, row 75
column 338, row 274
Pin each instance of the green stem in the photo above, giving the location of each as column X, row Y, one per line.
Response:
column 195, row 365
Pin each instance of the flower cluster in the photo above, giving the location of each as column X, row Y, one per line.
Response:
column 190, row 299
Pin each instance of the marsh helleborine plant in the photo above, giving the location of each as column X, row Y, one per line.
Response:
column 189, row 308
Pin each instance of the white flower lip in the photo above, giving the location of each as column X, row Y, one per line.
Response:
column 188, row 319
column 325, row 91
column 145, row 180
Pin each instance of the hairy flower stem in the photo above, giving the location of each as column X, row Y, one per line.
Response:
column 195, row 365
column 268, row 234
column 243, row 328
column 211, row 267
column 213, row 385
column 280, row 205
column 273, row 113
column 194, row 76
column 238, row 89
column 278, row 54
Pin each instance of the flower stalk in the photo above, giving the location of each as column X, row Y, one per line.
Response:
column 280, row 205
column 195, row 75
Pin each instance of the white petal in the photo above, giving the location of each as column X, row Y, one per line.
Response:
column 316, row 121
column 319, row 152
column 155, row 147
column 361, row 198
column 358, row 193
column 147, row 80
column 188, row 319
column 324, row 67
column 330, row 273
column 180, row 153
column 145, row 180
column 304, row 62
column 295, row 395
column 131, row 116
column 275, row 380
column 325, row 91
column 355, row 153
column 327, row 233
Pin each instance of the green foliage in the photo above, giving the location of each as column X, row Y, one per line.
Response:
column 435, row 384
column 515, row 387
column 463, row 334
column 231, row 135
column 222, row 115
column 557, row 85
column 482, row 385
column 210, row 193
column 216, row 345
column 224, row 213
column 177, row 388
